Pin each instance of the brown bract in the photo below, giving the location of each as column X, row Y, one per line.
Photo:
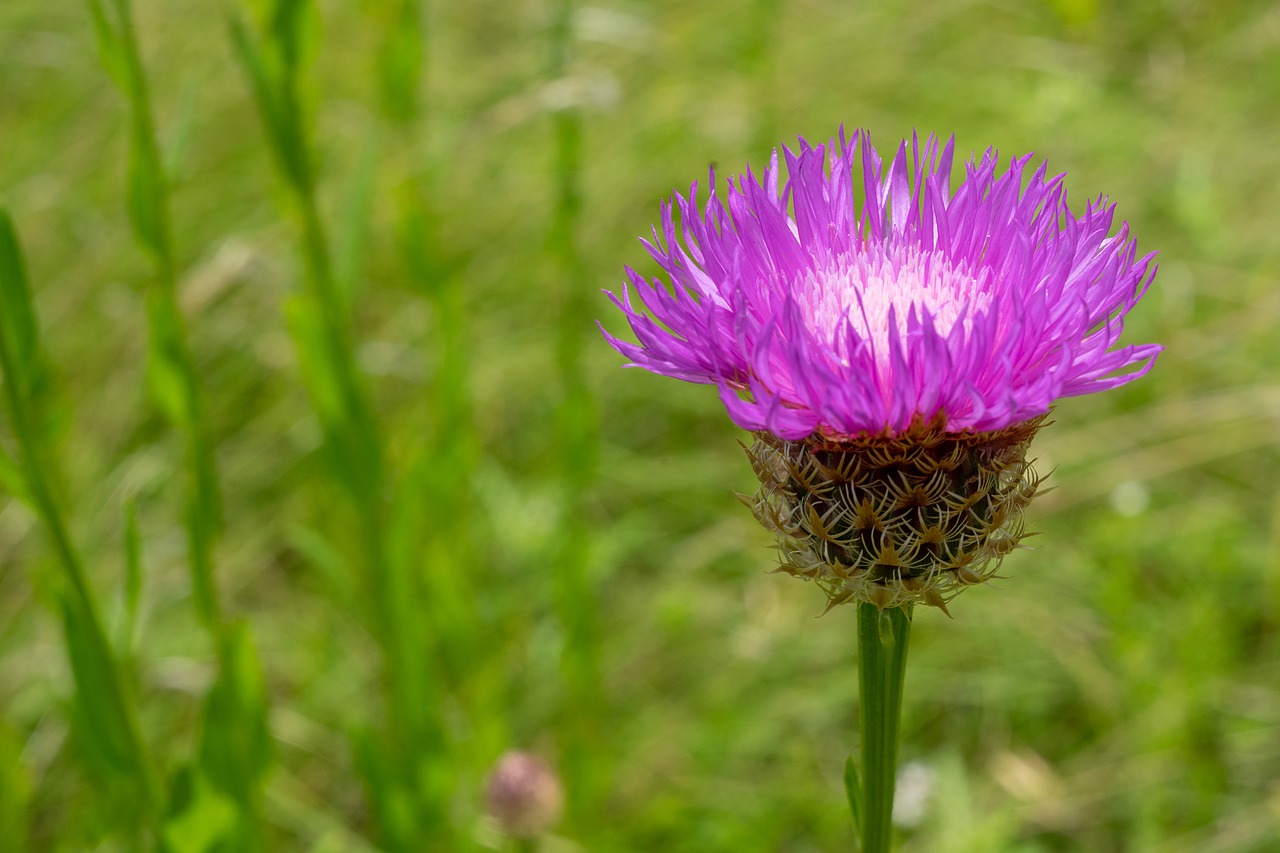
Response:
column 910, row 518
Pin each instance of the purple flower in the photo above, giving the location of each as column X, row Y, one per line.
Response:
column 894, row 348
column 855, row 301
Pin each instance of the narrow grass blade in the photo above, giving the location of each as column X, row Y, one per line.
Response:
column 171, row 368
column 577, row 439
column 853, row 793
column 146, row 188
column 235, row 745
column 17, row 320
column 401, row 59
column 168, row 371
column 352, row 446
column 353, row 233
column 132, row 592
column 103, row 709
column 11, row 479
column 201, row 818
column 15, row 791
column 109, row 47
column 277, row 103
column 147, row 194
column 408, row 815
column 320, row 552
column 106, row 734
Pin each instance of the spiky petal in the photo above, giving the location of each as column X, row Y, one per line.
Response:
column 848, row 300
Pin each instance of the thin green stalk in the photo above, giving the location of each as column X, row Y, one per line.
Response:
column 319, row 325
column 883, row 637
column 173, row 371
column 318, row 315
column 235, row 743
column 93, row 660
column 435, row 531
column 577, row 438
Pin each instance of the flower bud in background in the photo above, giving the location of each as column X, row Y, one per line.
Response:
column 524, row 795
column 894, row 345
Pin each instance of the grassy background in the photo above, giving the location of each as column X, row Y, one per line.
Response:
column 395, row 509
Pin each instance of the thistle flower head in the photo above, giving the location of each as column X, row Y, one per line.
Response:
column 893, row 343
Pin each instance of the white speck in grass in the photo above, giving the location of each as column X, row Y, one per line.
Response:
column 916, row 781
column 596, row 90
column 1130, row 498
column 613, row 27
column 387, row 358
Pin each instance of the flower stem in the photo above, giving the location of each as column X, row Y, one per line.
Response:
column 882, row 664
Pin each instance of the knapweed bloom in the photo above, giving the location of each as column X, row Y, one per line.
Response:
column 894, row 344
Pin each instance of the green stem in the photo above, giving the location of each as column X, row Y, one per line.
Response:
column 119, row 711
column 883, row 636
column 585, row 751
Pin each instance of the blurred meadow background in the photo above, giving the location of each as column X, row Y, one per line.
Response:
column 319, row 489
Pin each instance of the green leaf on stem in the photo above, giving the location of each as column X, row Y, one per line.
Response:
column 132, row 592
column 236, row 746
column 853, row 791
column 107, row 739
column 16, row 315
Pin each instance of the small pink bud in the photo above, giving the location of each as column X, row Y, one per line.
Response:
column 524, row 795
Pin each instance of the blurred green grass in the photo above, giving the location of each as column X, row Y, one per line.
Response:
column 571, row 570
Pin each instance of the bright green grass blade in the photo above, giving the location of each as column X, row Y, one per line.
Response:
column 320, row 552
column 15, row 791
column 351, row 440
column 170, row 368
column 235, row 745
column 405, row 814
column 291, row 26
column 103, row 711
column 170, row 381
column 109, row 47
column 585, row 751
column 11, row 479
column 16, row 315
column 400, row 60
column 277, row 105
column 853, row 793
column 28, row 373
column 408, row 814
column 19, row 364
column 147, row 193
column 132, row 593
column 107, row 736
column 391, row 803
column 201, row 819
column 353, row 230
column 146, row 187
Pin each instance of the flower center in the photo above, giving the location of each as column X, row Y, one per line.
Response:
column 862, row 288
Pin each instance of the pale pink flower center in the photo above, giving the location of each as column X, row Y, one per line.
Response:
column 861, row 288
